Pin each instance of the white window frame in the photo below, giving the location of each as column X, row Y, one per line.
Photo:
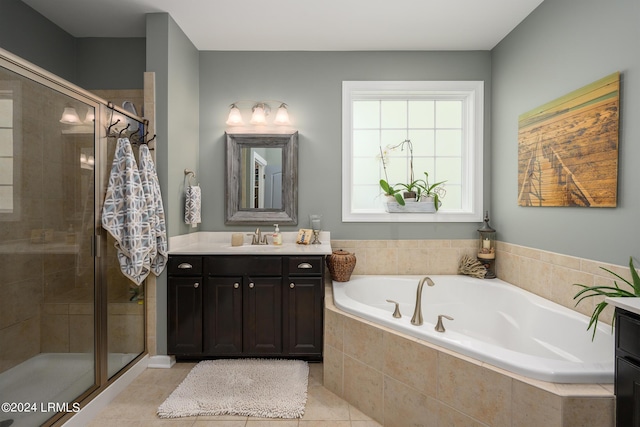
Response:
column 472, row 94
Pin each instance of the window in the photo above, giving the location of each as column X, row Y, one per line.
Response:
column 6, row 152
column 444, row 122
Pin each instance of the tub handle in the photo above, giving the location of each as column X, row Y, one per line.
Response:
column 439, row 326
column 396, row 312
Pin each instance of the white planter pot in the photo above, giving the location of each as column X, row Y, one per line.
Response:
column 426, row 206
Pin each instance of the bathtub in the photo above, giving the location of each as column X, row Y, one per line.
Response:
column 494, row 322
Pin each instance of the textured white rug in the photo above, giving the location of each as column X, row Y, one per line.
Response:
column 271, row 388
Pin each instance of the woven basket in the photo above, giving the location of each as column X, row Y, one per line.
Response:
column 341, row 264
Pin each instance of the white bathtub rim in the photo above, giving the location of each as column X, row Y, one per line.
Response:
column 535, row 367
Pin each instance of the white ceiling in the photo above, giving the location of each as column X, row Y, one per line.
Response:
column 302, row 24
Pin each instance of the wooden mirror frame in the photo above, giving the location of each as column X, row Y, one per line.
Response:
column 288, row 214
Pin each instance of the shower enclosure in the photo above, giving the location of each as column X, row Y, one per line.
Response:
column 69, row 321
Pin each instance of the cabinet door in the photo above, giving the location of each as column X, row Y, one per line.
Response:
column 304, row 308
column 263, row 316
column 223, row 316
column 627, row 393
column 185, row 316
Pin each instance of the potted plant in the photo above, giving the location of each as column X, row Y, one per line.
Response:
column 412, row 188
column 609, row 291
column 390, row 191
column 431, row 191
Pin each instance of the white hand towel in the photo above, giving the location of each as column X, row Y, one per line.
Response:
column 125, row 214
column 192, row 204
column 151, row 186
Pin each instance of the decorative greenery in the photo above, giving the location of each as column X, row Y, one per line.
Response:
column 431, row 190
column 420, row 187
column 608, row 291
column 391, row 191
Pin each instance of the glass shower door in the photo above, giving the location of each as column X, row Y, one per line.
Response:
column 47, row 272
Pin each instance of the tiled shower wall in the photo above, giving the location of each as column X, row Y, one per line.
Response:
column 547, row 274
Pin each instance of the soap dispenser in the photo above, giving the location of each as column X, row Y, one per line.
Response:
column 277, row 237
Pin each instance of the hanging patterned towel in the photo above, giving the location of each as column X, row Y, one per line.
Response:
column 125, row 214
column 151, row 187
column 193, row 199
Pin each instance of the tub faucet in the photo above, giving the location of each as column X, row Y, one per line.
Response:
column 417, row 313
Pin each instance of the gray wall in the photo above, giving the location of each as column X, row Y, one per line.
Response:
column 562, row 46
column 174, row 59
column 311, row 84
column 91, row 63
column 110, row 63
column 31, row 36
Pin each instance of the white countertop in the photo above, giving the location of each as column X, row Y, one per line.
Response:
column 219, row 243
column 631, row 304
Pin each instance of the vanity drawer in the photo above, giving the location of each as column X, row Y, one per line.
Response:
column 185, row 265
column 627, row 333
column 233, row 265
column 305, row 265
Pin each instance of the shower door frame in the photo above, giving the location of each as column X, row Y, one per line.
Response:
column 99, row 248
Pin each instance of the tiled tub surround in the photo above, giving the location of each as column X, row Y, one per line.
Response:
column 400, row 380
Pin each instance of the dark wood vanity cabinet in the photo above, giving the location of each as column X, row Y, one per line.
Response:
column 627, row 376
column 303, row 300
column 256, row 306
column 184, row 309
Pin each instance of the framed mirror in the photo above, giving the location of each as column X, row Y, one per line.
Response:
column 261, row 184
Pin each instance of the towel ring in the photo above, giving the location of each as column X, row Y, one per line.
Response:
column 189, row 174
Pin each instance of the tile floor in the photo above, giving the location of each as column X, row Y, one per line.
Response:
column 137, row 405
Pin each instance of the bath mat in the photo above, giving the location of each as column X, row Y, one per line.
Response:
column 270, row 388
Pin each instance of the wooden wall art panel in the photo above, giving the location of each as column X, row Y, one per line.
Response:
column 568, row 148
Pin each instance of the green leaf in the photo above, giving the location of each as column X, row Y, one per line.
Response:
column 634, row 276
column 608, row 291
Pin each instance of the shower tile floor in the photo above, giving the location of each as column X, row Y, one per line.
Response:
column 137, row 405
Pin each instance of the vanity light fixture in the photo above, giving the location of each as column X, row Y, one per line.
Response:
column 259, row 112
column 235, row 118
column 90, row 117
column 282, row 116
column 70, row 117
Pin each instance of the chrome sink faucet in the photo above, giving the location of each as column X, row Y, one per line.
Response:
column 258, row 239
column 417, row 313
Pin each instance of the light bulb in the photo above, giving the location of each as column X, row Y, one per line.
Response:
column 70, row 116
column 259, row 116
column 235, row 118
column 90, row 117
column 282, row 116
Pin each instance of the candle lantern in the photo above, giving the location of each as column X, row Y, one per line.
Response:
column 487, row 247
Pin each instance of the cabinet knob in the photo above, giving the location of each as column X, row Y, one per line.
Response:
column 251, row 285
column 185, row 266
column 305, row 265
column 195, row 285
column 236, row 285
column 292, row 285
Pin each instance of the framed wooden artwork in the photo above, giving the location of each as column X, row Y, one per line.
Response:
column 568, row 148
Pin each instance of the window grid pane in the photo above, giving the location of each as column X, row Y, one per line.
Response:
column 434, row 128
